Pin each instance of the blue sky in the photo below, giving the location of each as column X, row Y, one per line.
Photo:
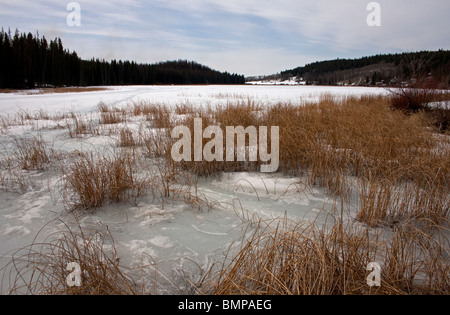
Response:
column 250, row 37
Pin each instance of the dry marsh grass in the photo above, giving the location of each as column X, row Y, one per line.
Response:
column 157, row 143
column 41, row 268
column 127, row 139
column 160, row 117
column 381, row 203
column 26, row 154
column 400, row 173
column 388, row 154
column 97, row 178
column 31, row 153
column 303, row 259
column 111, row 116
column 394, row 167
column 79, row 127
column 12, row 179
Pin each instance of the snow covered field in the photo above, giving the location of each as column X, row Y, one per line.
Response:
column 174, row 242
column 171, row 95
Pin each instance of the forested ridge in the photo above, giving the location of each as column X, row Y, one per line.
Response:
column 29, row 61
column 386, row 68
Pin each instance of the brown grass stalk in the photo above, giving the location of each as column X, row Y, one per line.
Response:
column 41, row 268
column 303, row 259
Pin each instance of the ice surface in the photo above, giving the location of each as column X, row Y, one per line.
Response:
column 170, row 95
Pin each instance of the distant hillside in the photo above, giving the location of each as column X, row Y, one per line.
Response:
column 28, row 61
column 389, row 69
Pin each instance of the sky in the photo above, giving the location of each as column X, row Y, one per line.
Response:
column 250, row 37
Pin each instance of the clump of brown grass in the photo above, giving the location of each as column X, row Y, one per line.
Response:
column 184, row 109
column 31, row 153
column 159, row 116
column 12, row 179
column 241, row 114
column 96, row 178
column 41, row 268
column 5, row 122
column 24, row 117
column 382, row 202
column 157, row 143
column 140, row 108
column 79, row 127
column 302, row 259
column 127, row 138
column 238, row 114
column 111, row 116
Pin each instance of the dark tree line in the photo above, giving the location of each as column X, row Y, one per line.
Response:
column 28, row 61
column 100, row 72
column 435, row 63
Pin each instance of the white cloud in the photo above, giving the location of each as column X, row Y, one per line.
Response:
column 246, row 36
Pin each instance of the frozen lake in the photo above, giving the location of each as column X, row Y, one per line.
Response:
column 172, row 95
column 180, row 242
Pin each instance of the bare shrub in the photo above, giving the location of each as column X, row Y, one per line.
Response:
column 421, row 91
column 412, row 99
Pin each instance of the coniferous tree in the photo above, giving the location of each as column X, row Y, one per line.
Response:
column 2, row 58
column 28, row 61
